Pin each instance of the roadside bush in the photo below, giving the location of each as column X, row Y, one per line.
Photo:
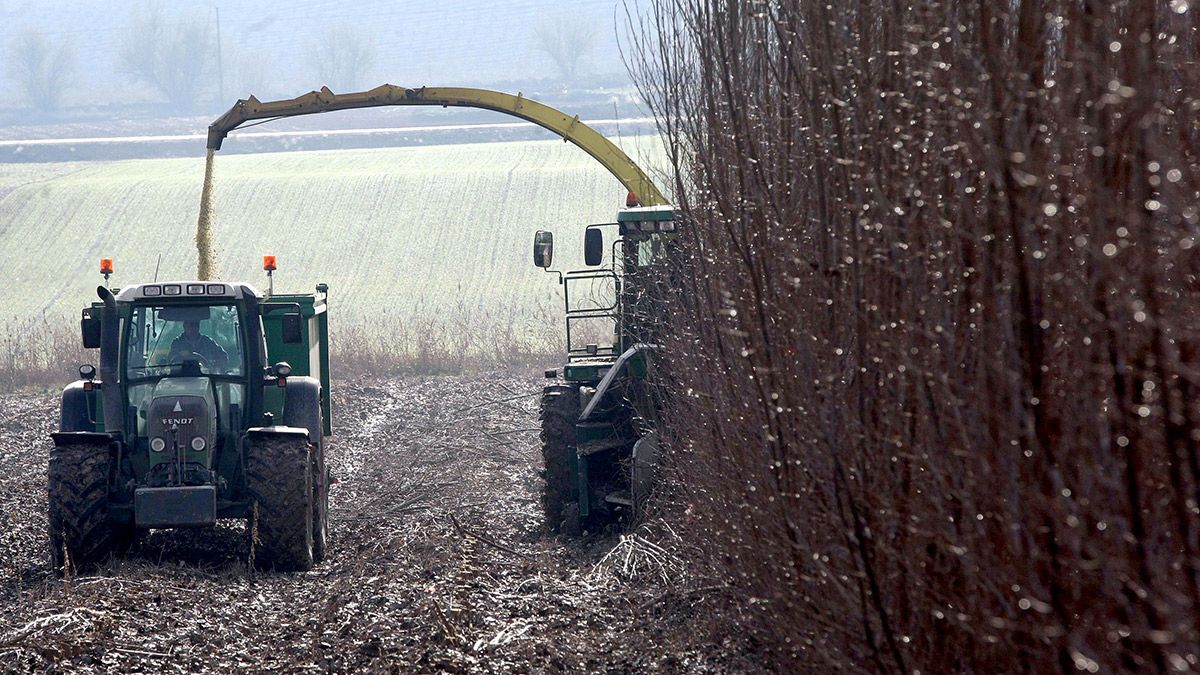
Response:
column 934, row 344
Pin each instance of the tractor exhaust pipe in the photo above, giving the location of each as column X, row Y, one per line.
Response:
column 110, row 345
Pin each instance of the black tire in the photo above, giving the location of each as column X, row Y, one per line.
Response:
column 320, row 504
column 279, row 478
column 302, row 409
column 77, row 499
column 560, row 411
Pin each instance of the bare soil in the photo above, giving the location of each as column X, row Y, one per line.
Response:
column 438, row 562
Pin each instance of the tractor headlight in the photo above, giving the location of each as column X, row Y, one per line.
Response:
column 158, row 444
column 198, row 443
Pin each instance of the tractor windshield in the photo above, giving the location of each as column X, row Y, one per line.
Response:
column 183, row 340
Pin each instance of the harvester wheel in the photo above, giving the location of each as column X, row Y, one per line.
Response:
column 77, row 490
column 279, row 477
column 560, row 410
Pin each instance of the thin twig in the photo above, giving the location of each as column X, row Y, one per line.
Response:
column 140, row 652
column 485, row 539
column 487, row 403
column 684, row 594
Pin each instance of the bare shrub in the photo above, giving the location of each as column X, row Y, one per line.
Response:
column 173, row 53
column 42, row 69
column 566, row 39
column 342, row 57
column 452, row 340
column 934, row 344
column 41, row 353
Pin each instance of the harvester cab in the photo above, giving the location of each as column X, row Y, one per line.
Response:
column 212, row 402
column 599, row 417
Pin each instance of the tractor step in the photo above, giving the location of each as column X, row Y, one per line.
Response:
column 619, row 498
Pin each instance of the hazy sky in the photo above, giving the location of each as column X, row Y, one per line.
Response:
column 268, row 45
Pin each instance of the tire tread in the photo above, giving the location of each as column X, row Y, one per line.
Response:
column 77, row 507
column 279, row 480
column 559, row 412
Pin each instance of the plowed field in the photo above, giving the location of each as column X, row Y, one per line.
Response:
column 438, row 562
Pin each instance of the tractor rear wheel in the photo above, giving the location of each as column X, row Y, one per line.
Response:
column 560, row 496
column 303, row 409
column 320, row 504
column 279, row 477
column 80, row 533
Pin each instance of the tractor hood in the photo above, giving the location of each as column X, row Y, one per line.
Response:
column 182, row 410
column 183, row 386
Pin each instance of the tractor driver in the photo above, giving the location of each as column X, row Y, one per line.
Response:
column 192, row 341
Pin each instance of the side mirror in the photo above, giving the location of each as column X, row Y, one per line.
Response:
column 543, row 248
column 293, row 333
column 89, row 326
column 593, row 246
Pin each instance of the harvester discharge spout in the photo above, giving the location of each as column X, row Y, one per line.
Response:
column 568, row 127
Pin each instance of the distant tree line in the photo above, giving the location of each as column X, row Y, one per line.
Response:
column 42, row 69
column 934, row 340
column 566, row 39
column 174, row 53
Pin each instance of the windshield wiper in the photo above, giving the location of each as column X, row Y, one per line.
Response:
column 144, row 369
column 157, row 365
column 133, row 371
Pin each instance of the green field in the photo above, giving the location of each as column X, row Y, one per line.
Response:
column 414, row 233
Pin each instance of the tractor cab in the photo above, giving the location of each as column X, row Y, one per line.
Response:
column 186, row 358
column 602, row 303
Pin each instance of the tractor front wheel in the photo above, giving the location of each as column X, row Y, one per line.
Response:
column 279, row 477
column 80, row 533
column 560, row 496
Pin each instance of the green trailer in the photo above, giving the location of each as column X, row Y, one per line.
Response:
column 211, row 402
column 308, row 357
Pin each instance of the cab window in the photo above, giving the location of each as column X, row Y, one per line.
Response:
column 178, row 340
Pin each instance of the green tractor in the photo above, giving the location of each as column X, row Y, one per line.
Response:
column 212, row 402
column 599, row 417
